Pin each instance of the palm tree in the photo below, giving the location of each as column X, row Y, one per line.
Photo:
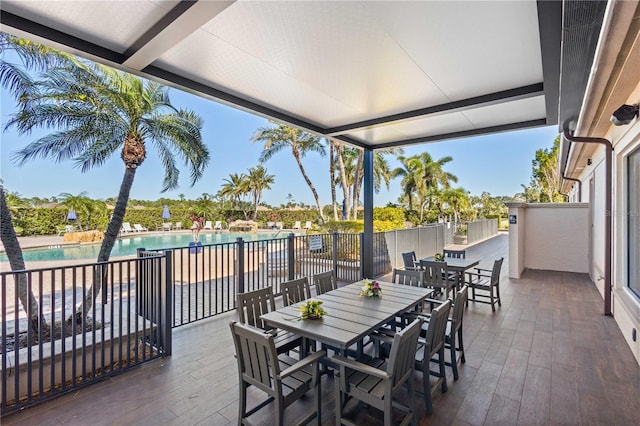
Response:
column 411, row 171
column 100, row 111
column 257, row 181
column 278, row 137
column 16, row 261
column 81, row 204
column 458, row 198
column 234, row 188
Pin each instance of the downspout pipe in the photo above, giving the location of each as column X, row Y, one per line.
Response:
column 574, row 180
column 579, row 186
column 608, row 234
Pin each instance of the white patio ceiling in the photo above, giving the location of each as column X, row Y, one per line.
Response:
column 373, row 74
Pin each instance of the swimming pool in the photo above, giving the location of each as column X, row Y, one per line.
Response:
column 127, row 246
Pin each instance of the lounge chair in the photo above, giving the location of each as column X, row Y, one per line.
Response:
column 139, row 228
column 166, row 226
column 279, row 225
column 126, row 228
column 207, row 225
column 178, row 226
column 296, row 225
column 218, row 225
column 307, row 225
column 65, row 229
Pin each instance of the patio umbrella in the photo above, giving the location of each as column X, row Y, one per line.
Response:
column 72, row 215
column 165, row 213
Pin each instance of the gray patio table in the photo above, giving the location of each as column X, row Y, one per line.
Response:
column 350, row 317
column 459, row 266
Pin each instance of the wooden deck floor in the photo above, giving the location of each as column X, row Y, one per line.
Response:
column 547, row 356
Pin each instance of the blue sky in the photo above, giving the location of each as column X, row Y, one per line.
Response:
column 497, row 163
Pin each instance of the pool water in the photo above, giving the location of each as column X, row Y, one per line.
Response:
column 127, row 246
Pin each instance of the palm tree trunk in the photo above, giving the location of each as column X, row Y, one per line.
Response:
column 343, row 180
column 313, row 188
column 357, row 184
column 16, row 261
column 255, row 206
column 332, row 172
column 110, row 237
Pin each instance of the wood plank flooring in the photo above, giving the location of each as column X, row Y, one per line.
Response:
column 546, row 356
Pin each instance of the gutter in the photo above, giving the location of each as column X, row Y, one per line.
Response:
column 574, row 180
column 608, row 235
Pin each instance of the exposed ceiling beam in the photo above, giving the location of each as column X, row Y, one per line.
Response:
column 518, row 93
column 465, row 133
column 550, row 30
column 75, row 45
column 181, row 21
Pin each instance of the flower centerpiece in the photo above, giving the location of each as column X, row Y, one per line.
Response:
column 439, row 257
column 312, row 309
column 371, row 289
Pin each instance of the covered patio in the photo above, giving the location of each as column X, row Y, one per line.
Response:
column 547, row 356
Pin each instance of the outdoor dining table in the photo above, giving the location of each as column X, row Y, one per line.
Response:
column 350, row 317
column 459, row 266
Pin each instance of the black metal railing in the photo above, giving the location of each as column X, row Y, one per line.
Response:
column 58, row 343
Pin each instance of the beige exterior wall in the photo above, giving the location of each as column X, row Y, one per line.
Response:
column 551, row 236
column 557, row 237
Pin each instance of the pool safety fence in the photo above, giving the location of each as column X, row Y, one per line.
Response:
column 66, row 327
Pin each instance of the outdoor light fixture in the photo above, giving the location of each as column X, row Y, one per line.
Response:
column 624, row 115
column 588, row 161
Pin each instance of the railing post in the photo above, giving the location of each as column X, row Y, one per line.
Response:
column 167, row 300
column 361, row 235
column 334, row 252
column 240, row 264
column 290, row 257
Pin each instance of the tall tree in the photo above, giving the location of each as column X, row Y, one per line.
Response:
column 278, row 137
column 234, row 188
column 16, row 261
column 458, row 199
column 544, row 174
column 81, row 204
column 257, row 181
column 99, row 111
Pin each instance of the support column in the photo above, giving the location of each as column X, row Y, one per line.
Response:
column 517, row 221
column 367, row 195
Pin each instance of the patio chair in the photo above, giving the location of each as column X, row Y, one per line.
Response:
column 279, row 225
column 217, row 226
column 375, row 382
column 252, row 304
column 207, row 225
column 409, row 260
column 271, row 225
column 139, row 228
column 178, row 226
column 282, row 378
column 296, row 225
column 126, row 228
column 485, row 284
column 437, row 276
column 325, row 281
column 430, row 344
column 453, row 335
column 408, row 277
column 65, row 229
column 166, row 226
column 307, row 225
column 455, row 254
column 295, row 291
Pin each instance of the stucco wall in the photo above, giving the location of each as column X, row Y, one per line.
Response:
column 557, row 237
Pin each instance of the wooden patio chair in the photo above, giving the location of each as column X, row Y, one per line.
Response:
column 430, row 344
column 252, row 304
column 453, row 335
column 375, row 381
column 413, row 278
column 437, row 276
column 456, row 254
column 282, row 378
column 409, row 260
column 325, row 281
column 295, row 291
column 485, row 284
